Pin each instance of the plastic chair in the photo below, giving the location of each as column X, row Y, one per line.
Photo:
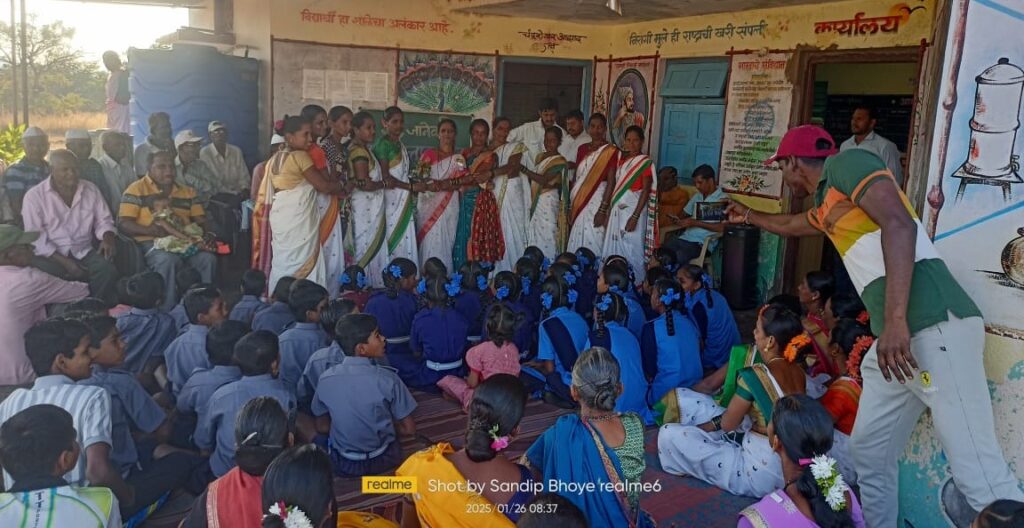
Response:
column 703, row 260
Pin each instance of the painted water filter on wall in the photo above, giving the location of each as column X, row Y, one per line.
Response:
column 995, row 123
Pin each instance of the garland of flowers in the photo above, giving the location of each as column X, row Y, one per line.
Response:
column 860, row 347
column 798, row 342
column 292, row 516
column 830, row 481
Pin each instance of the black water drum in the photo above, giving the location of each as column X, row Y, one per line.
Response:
column 740, row 246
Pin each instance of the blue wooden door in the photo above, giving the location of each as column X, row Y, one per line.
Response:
column 691, row 135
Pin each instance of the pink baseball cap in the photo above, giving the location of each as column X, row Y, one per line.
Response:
column 805, row 141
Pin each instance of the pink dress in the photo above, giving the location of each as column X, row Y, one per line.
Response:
column 486, row 359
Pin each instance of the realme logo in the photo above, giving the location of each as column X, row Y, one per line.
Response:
column 389, row 485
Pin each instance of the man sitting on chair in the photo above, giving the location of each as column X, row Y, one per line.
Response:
column 693, row 230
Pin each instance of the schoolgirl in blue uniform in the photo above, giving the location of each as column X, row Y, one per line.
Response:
column 472, row 279
column 433, row 268
column 395, row 308
column 710, row 312
column 653, row 275
column 616, row 279
column 670, row 344
column 538, row 257
column 587, row 290
column 529, row 286
column 560, row 339
column 505, row 289
column 609, row 313
column 588, row 266
column 438, row 338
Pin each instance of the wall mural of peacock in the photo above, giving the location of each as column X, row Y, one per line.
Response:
column 445, row 83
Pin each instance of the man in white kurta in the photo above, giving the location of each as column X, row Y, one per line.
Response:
column 862, row 125
column 532, row 134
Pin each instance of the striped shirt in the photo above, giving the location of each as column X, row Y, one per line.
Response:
column 60, row 507
column 138, row 198
column 934, row 293
column 89, row 408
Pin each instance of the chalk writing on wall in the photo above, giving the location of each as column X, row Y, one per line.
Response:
column 546, row 41
column 333, row 17
column 728, row 31
column 757, row 116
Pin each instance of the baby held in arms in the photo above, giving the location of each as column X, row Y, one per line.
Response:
column 181, row 239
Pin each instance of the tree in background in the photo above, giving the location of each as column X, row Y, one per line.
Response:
column 60, row 79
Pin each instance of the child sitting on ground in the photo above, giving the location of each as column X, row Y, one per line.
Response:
column 394, row 309
column 261, row 433
column 257, row 357
column 433, row 268
column 472, row 280
column 327, row 357
column 139, row 427
column 355, row 286
column 253, row 283
column 360, row 391
column 529, row 286
column 185, row 279
column 653, row 275
column 497, row 355
column 38, row 446
column 438, row 337
column 205, row 308
column 184, row 240
column 306, row 299
column 561, row 336
column 505, row 290
column 609, row 313
column 670, row 344
column 145, row 329
column 850, row 342
column 277, row 317
column 709, row 310
column 220, row 348
column 615, row 278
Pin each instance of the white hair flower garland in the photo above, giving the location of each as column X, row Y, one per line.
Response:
column 830, row 481
column 292, row 516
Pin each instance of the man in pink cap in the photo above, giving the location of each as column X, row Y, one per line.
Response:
column 930, row 333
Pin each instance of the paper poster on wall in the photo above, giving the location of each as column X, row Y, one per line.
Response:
column 631, row 95
column 756, row 118
column 312, row 84
column 602, row 83
column 446, row 83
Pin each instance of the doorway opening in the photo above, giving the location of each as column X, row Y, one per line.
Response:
column 837, row 84
column 525, row 82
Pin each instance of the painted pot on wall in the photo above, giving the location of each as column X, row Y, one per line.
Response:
column 995, row 123
column 1013, row 259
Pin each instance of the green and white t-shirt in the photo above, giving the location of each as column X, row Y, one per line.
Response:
column 933, row 291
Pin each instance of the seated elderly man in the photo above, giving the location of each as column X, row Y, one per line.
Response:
column 118, row 170
column 76, row 232
column 193, row 171
column 27, row 172
column 27, row 291
column 225, row 160
column 79, row 142
column 152, row 211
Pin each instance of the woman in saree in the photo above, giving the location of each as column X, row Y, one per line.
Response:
column 369, row 221
column 701, row 445
column 592, row 190
column 334, row 157
column 437, row 211
column 814, row 493
column 850, row 343
column 632, row 218
column 290, row 191
column 597, row 445
column 548, row 222
column 335, row 146
column 814, row 292
column 478, row 236
column 512, row 193
column 494, row 413
column 400, row 202
column 260, row 255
